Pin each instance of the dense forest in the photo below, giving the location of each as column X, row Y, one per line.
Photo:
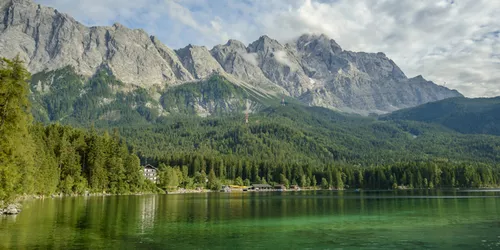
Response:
column 190, row 171
column 464, row 115
column 38, row 159
column 288, row 134
column 291, row 144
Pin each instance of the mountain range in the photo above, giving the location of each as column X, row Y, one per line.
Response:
column 313, row 69
column 187, row 105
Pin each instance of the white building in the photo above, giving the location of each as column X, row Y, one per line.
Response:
column 150, row 173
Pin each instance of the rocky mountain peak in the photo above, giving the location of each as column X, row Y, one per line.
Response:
column 314, row 68
column 418, row 78
column 117, row 25
column 236, row 44
column 198, row 61
column 265, row 44
column 229, row 47
column 311, row 42
column 18, row 2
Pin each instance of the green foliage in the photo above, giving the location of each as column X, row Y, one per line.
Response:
column 215, row 92
column 75, row 161
column 297, row 145
column 16, row 144
column 238, row 181
column 287, row 145
column 64, row 96
column 200, row 179
column 213, row 181
column 55, row 94
column 133, row 173
column 299, row 135
column 324, row 183
column 246, row 182
column 464, row 115
column 169, row 178
column 55, row 158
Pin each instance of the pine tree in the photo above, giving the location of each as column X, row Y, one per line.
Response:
column 133, row 173
column 96, row 160
column 213, row 182
column 324, row 183
column 16, row 145
column 303, row 181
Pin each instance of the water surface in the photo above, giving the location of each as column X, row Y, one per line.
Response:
column 419, row 219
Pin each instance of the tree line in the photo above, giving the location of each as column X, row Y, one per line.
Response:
column 38, row 159
column 193, row 170
column 290, row 147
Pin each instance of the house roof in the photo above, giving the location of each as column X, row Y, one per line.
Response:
column 149, row 166
column 261, row 186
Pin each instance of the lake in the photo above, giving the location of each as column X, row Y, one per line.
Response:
column 414, row 219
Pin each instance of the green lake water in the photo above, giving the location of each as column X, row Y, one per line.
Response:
column 418, row 219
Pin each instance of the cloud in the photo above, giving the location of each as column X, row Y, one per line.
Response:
column 251, row 58
column 453, row 42
column 282, row 57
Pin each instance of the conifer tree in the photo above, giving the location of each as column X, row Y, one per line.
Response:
column 16, row 146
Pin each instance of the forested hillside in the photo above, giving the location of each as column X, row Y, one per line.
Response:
column 465, row 115
column 63, row 96
column 288, row 144
column 300, row 134
column 309, row 146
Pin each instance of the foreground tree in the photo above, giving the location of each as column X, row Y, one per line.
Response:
column 16, row 146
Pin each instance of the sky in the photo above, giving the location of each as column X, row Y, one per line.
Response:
column 455, row 43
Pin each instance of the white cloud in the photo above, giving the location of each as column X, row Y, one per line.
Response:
column 452, row 41
column 251, row 58
column 282, row 57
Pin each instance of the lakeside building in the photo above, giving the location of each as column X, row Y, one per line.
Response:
column 150, row 173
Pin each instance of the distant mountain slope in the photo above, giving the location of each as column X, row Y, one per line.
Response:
column 164, row 122
column 313, row 69
column 314, row 135
column 469, row 116
column 64, row 96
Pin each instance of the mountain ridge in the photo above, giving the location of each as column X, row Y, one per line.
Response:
column 313, row 69
column 464, row 115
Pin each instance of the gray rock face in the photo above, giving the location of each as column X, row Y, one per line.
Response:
column 198, row 61
column 49, row 40
column 236, row 59
column 313, row 68
column 173, row 61
column 359, row 82
column 280, row 65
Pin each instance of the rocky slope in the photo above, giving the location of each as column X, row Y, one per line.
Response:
column 314, row 69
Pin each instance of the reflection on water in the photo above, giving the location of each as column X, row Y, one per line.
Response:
column 313, row 219
column 148, row 212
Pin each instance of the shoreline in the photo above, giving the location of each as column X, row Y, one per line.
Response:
column 8, row 209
